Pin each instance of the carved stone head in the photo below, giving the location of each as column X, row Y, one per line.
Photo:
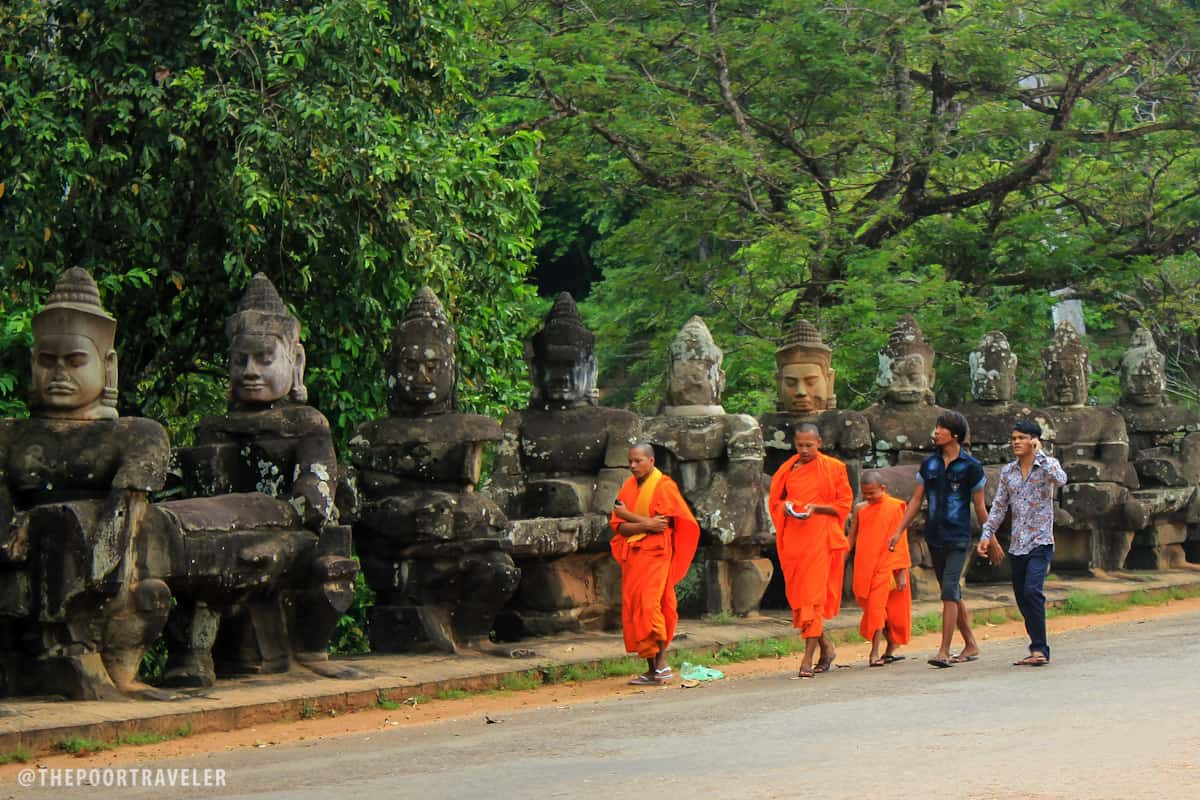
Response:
column 804, row 375
column 695, row 377
column 421, row 366
column 74, row 363
column 1065, row 363
column 906, row 369
column 564, row 358
column 1143, row 372
column 266, row 359
column 993, row 369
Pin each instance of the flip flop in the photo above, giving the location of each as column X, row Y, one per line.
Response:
column 961, row 659
column 893, row 659
column 940, row 663
column 807, row 673
column 646, row 680
column 824, row 666
column 879, row 662
column 1032, row 660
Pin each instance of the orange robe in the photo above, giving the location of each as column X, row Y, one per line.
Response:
column 651, row 564
column 875, row 571
column 812, row 552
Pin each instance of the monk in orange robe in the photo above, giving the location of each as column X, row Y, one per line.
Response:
column 881, row 585
column 809, row 502
column 656, row 538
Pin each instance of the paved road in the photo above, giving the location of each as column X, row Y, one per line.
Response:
column 1116, row 716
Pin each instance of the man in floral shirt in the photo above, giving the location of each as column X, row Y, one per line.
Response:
column 1027, row 487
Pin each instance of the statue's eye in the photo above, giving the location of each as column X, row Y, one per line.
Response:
column 76, row 360
column 46, row 360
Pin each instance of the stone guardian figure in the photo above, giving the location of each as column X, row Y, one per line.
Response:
column 557, row 472
column 717, row 461
column 79, row 605
column 434, row 550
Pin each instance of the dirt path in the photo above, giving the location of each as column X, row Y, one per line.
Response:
column 497, row 704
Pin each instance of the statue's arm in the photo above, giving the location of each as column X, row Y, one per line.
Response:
column 315, row 486
column 507, row 482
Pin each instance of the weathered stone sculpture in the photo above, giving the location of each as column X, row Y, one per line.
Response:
column 1164, row 443
column 902, row 421
column 1093, row 447
column 717, row 460
column 434, row 551
column 992, row 412
column 557, row 473
column 78, row 604
column 272, row 575
column 805, row 391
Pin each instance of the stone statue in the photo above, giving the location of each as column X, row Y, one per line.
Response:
column 990, row 417
column 902, row 421
column 434, row 550
column 1164, row 442
column 1093, row 447
column 78, row 603
column 804, row 382
column 557, row 473
column 274, row 576
column 717, row 460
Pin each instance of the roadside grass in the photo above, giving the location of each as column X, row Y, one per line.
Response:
column 388, row 704
column 18, row 756
column 82, row 745
column 451, row 694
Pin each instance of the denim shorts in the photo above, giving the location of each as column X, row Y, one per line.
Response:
column 948, row 564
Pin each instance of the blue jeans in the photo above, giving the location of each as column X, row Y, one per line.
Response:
column 1028, row 578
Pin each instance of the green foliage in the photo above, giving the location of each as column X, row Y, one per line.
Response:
column 853, row 163
column 19, row 756
column 350, row 637
column 334, row 145
column 308, row 710
column 521, row 681
column 451, row 694
column 82, row 745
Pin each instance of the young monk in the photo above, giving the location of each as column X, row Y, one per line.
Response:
column 881, row 570
column 656, row 538
column 809, row 502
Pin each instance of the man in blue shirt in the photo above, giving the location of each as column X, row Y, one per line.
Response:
column 952, row 481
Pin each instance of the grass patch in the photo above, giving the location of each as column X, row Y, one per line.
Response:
column 521, row 681
column 452, row 694
column 388, row 704
column 1078, row 603
column 927, row 623
column 77, row 745
column 308, row 710
column 18, row 756
column 723, row 618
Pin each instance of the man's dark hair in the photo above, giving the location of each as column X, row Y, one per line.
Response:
column 954, row 422
column 806, row 427
column 646, row 448
column 1029, row 428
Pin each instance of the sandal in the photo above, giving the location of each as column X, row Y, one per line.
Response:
column 1032, row 660
column 879, row 662
column 646, row 680
column 806, row 673
column 824, row 666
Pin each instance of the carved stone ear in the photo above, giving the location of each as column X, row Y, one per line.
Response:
column 299, row 392
column 109, row 397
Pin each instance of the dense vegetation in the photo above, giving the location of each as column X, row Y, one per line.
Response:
column 175, row 148
column 858, row 161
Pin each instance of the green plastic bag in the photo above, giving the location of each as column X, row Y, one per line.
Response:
column 698, row 672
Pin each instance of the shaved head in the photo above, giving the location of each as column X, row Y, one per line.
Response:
column 645, row 448
column 872, row 476
column 807, row 427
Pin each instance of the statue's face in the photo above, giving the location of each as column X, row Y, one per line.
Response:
column 991, row 382
column 694, row 382
column 1145, row 385
column 564, row 381
column 1066, row 385
column 424, row 374
column 261, row 368
column 804, row 388
column 910, row 384
column 68, row 372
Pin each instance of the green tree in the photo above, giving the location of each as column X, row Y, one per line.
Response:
column 855, row 162
column 173, row 149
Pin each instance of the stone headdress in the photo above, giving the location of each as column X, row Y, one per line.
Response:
column 906, row 340
column 694, row 342
column 74, row 307
column 802, row 342
column 261, row 312
column 563, row 334
column 424, row 327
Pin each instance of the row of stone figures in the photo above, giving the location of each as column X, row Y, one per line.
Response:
column 251, row 571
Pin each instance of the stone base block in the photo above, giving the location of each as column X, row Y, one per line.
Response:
column 1171, row 556
column 577, row 592
column 736, row 586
